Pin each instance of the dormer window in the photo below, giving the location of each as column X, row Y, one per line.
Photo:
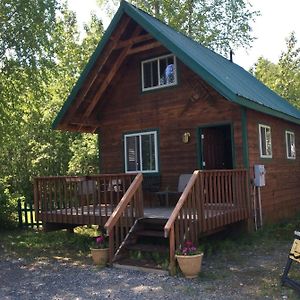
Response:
column 159, row 72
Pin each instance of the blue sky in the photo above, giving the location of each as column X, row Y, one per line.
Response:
column 278, row 18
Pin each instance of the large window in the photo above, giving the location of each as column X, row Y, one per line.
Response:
column 290, row 145
column 265, row 141
column 159, row 72
column 141, row 152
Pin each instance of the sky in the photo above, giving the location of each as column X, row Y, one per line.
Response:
column 278, row 19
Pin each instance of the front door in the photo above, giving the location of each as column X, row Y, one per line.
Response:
column 216, row 147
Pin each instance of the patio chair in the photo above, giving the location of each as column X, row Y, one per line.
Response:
column 164, row 196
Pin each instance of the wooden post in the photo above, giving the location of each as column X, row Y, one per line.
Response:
column 172, row 265
column 111, row 246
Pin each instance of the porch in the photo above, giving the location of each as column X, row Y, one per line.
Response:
column 210, row 201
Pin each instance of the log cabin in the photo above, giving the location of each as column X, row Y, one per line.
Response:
column 163, row 106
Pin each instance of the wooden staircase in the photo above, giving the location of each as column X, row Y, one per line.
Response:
column 145, row 247
column 210, row 201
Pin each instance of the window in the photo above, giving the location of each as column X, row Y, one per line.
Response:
column 265, row 141
column 159, row 72
column 141, row 152
column 290, row 145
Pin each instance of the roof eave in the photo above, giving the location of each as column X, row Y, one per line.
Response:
column 266, row 110
column 107, row 34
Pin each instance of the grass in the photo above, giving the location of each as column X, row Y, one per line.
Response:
column 34, row 244
column 256, row 260
column 230, row 242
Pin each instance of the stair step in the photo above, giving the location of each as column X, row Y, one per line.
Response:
column 148, row 248
column 161, row 222
column 154, row 233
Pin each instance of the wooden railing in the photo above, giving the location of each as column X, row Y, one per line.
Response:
column 79, row 199
column 129, row 209
column 211, row 200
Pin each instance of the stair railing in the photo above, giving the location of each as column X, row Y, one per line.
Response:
column 210, row 201
column 183, row 223
column 129, row 209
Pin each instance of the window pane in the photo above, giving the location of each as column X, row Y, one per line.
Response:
column 148, row 152
column 162, row 69
column 154, row 73
column 133, row 150
column 167, row 71
column 293, row 146
column 147, row 74
column 291, row 149
column 288, row 137
column 263, row 140
column 268, row 142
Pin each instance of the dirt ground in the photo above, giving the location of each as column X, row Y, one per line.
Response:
column 252, row 273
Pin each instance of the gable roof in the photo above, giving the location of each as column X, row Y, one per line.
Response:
column 229, row 79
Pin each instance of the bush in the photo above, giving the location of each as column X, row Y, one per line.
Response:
column 8, row 204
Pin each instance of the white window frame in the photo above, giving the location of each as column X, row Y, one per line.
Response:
column 140, row 134
column 159, row 86
column 291, row 133
column 260, row 141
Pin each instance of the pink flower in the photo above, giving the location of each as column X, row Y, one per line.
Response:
column 99, row 239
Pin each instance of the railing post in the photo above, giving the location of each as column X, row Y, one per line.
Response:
column 111, row 246
column 172, row 266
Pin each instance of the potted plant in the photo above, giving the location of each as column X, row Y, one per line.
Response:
column 189, row 259
column 99, row 250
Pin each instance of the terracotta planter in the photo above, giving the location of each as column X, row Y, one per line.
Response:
column 190, row 265
column 100, row 256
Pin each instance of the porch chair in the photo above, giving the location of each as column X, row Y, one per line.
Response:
column 164, row 196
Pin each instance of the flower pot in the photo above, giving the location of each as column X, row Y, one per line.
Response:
column 190, row 265
column 100, row 256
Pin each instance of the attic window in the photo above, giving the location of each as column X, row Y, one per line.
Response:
column 159, row 72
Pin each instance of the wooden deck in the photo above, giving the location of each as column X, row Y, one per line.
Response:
column 211, row 200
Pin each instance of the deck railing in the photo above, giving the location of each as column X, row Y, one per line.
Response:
column 79, row 199
column 211, row 200
column 129, row 209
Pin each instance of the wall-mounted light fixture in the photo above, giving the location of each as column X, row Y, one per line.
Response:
column 186, row 137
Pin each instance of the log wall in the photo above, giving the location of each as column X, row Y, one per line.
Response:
column 173, row 111
column 281, row 195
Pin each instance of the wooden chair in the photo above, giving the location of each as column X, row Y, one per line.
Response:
column 164, row 196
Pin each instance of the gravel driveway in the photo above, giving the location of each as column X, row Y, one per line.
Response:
column 239, row 278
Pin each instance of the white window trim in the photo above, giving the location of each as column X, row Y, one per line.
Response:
column 287, row 145
column 159, row 86
column 140, row 134
column 260, row 141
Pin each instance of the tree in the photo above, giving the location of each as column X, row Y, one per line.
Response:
column 284, row 76
column 221, row 25
column 36, row 76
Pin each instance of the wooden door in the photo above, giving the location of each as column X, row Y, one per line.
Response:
column 216, row 147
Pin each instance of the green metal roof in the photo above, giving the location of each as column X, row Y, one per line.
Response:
column 229, row 79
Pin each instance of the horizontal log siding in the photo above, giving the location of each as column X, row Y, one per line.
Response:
column 281, row 195
column 173, row 111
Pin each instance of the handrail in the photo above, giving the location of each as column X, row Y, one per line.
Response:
column 180, row 203
column 85, row 176
column 111, row 222
column 128, row 210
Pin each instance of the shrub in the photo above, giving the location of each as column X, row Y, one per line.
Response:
column 8, row 204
